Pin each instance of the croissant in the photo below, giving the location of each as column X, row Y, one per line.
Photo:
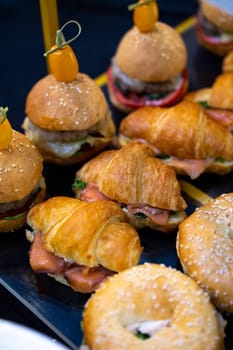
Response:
column 217, row 99
column 144, row 186
column 227, row 63
column 79, row 242
column 183, row 135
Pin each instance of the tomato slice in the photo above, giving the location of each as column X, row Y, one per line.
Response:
column 135, row 101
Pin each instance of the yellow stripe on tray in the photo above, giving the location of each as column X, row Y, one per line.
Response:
column 192, row 191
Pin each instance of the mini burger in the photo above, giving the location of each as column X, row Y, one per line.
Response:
column 68, row 121
column 148, row 68
column 214, row 25
column 67, row 115
column 21, row 182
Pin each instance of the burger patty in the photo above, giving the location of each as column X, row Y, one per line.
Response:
column 62, row 136
column 8, row 209
column 127, row 84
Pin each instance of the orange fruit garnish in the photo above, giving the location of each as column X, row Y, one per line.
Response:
column 5, row 129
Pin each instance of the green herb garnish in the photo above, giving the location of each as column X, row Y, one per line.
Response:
column 78, row 183
column 219, row 160
column 204, row 104
column 156, row 95
column 142, row 336
column 13, row 217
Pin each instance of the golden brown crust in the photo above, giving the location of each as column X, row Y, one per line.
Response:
column 154, row 57
column 204, row 246
column 222, row 91
column 122, row 175
column 183, row 131
column 61, row 106
column 227, row 64
column 219, row 95
column 198, row 95
column 89, row 234
column 216, row 15
column 155, row 293
column 21, row 167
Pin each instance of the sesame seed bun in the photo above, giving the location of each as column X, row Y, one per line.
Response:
column 68, row 122
column 21, row 169
column 60, row 106
column 156, row 56
column 217, row 14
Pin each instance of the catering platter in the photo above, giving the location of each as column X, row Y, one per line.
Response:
column 56, row 305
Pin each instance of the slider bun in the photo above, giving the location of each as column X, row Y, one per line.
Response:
column 160, row 296
column 153, row 57
column 204, row 246
column 21, row 171
column 60, row 106
column 216, row 15
column 21, row 168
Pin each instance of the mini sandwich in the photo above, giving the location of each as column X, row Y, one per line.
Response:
column 22, row 184
column 148, row 68
column 145, row 188
column 214, row 26
column 80, row 244
column 182, row 136
column 217, row 100
column 69, row 122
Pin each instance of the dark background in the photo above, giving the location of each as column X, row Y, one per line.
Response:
column 22, row 64
column 103, row 23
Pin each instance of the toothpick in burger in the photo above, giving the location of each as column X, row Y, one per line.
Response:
column 67, row 115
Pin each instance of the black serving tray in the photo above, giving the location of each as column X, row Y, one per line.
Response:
column 56, row 305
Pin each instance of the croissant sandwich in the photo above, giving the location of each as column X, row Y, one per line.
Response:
column 81, row 243
column 183, row 136
column 145, row 187
column 217, row 99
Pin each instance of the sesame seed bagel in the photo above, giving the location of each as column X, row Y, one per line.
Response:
column 153, row 300
column 205, row 249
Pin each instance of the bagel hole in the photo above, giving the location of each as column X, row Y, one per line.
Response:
column 146, row 329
